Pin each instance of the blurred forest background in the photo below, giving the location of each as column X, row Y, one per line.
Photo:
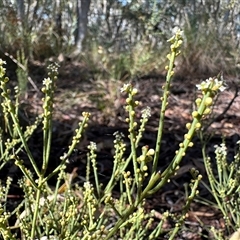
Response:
column 122, row 39
column 101, row 44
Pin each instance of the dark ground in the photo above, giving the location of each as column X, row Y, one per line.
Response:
column 78, row 91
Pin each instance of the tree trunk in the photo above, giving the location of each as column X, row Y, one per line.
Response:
column 21, row 10
column 82, row 22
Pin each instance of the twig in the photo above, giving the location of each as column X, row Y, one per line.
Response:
column 24, row 69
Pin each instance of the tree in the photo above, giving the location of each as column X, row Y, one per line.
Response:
column 82, row 9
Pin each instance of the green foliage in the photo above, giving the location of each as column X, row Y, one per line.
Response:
column 22, row 72
column 93, row 211
column 139, row 61
column 13, row 136
column 208, row 43
column 132, row 34
column 224, row 184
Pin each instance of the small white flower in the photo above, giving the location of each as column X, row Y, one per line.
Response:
column 219, row 84
column 212, row 83
column 223, row 87
column 221, row 149
column 118, row 135
column 125, row 87
column 2, row 62
column 87, row 185
column 47, row 81
column 146, row 113
column 176, row 30
column 93, row 146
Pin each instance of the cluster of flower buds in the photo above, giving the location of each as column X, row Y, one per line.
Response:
column 209, row 89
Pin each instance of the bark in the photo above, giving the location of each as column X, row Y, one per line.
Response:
column 82, row 22
column 21, row 10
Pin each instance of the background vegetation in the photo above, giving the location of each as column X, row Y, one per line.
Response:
column 117, row 42
column 124, row 38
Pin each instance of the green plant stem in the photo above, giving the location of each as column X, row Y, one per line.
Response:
column 112, row 180
column 162, row 112
column 25, row 145
column 171, row 169
column 47, row 139
column 131, row 209
column 12, row 111
column 151, row 188
column 26, row 174
column 133, row 135
column 110, row 184
column 36, row 207
column 212, row 185
column 71, row 148
column 47, row 120
column 186, row 207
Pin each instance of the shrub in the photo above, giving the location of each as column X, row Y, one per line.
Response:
column 93, row 211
